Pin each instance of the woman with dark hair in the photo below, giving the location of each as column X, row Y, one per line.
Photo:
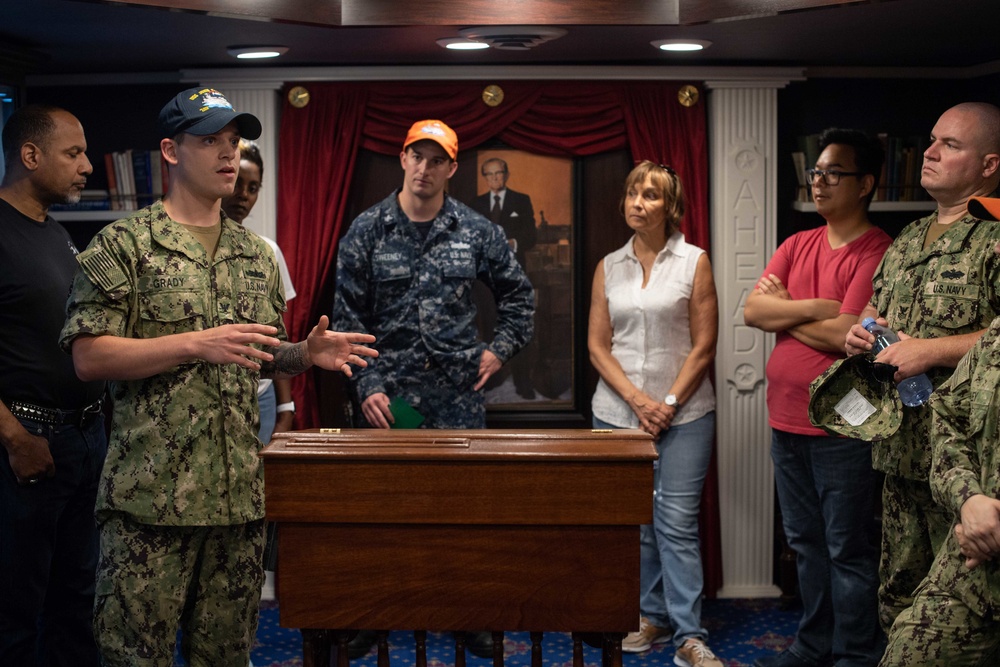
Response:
column 652, row 334
column 277, row 410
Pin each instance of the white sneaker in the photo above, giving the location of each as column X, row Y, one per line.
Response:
column 649, row 635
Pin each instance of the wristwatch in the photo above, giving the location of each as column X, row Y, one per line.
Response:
column 672, row 401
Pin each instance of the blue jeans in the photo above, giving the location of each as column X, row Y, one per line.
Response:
column 671, row 577
column 48, row 552
column 825, row 488
column 268, row 404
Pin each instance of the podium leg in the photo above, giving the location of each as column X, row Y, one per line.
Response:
column 315, row 648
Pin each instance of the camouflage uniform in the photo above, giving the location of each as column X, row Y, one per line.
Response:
column 948, row 289
column 954, row 618
column 183, row 447
column 415, row 297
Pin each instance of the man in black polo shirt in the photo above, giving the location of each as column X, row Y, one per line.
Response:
column 51, row 425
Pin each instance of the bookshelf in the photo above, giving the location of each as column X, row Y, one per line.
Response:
column 135, row 178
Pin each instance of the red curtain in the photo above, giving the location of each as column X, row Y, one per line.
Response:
column 319, row 145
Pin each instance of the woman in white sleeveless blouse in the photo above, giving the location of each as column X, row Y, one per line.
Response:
column 652, row 334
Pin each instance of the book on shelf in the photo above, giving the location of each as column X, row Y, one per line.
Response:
column 808, row 145
column 136, row 177
column 880, row 191
column 109, row 169
column 126, row 182
column 141, row 174
column 804, row 194
column 804, row 158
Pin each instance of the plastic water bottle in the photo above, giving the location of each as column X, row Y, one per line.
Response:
column 913, row 391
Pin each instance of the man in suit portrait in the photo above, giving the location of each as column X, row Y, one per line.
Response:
column 513, row 211
column 508, row 208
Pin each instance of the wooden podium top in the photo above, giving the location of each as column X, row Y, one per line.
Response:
column 460, row 476
column 566, row 444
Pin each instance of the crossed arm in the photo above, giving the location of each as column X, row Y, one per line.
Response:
column 816, row 322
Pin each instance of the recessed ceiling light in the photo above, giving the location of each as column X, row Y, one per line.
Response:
column 512, row 37
column 462, row 44
column 251, row 52
column 681, row 44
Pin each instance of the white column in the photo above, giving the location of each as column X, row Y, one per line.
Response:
column 742, row 129
column 262, row 99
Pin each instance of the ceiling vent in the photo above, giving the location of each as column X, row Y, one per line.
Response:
column 512, row 37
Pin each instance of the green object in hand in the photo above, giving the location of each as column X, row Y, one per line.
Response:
column 404, row 414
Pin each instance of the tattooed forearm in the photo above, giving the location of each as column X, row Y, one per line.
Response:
column 289, row 359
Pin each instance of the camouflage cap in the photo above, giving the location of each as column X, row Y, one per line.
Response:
column 850, row 399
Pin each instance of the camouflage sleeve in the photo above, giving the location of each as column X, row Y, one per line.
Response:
column 100, row 299
column 878, row 281
column 351, row 306
column 954, row 476
column 513, row 293
column 993, row 276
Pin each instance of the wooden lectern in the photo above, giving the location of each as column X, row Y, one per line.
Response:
column 518, row 530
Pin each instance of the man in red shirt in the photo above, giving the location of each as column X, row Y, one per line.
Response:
column 810, row 294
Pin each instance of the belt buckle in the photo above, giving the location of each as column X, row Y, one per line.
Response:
column 89, row 411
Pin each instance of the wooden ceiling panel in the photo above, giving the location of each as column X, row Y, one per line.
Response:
column 706, row 11
column 317, row 12
column 492, row 12
column 509, row 12
column 436, row 12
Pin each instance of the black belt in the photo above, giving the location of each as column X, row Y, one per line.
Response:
column 53, row 415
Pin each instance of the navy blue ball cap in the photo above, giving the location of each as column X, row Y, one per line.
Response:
column 204, row 111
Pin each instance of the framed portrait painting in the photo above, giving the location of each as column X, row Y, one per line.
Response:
column 532, row 198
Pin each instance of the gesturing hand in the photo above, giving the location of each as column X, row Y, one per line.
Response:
column 232, row 344
column 334, row 350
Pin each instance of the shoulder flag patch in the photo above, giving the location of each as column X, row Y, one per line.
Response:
column 101, row 269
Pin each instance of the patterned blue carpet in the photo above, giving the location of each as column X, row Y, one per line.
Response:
column 739, row 632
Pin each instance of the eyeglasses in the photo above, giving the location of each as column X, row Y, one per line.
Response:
column 829, row 176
